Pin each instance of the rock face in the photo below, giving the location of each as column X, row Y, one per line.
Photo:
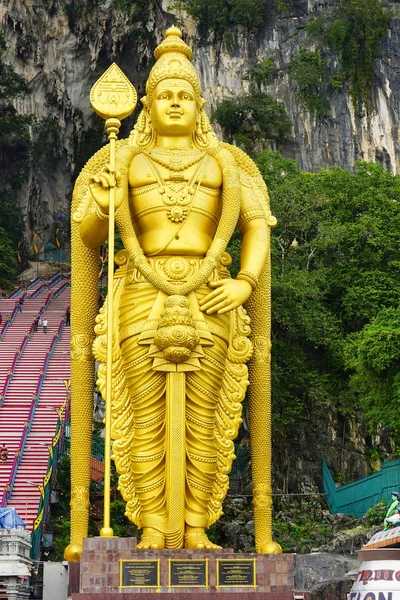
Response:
column 320, row 571
column 61, row 47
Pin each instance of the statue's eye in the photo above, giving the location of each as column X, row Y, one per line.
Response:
column 163, row 96
column 187, row 97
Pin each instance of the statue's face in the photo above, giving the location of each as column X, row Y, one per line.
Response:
column 174, row 109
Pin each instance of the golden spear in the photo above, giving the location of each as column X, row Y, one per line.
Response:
column 113, row 98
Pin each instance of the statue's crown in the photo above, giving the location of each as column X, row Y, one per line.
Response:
column 173, row 43
column 173, row 61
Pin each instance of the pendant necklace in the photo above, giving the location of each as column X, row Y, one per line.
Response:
column 175, row 163
column 177, row 195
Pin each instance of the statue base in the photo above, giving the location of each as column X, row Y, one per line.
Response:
column 113, row 569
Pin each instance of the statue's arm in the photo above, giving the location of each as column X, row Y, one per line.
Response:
column 93, row 231
column 94, row 225
column 392, row 509
column 231, row 293
column 255, row 246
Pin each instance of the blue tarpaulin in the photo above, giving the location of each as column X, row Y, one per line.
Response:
column 10, row 519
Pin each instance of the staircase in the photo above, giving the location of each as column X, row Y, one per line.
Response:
column 16, row 411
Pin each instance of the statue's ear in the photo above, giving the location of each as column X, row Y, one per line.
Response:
column 202, row 103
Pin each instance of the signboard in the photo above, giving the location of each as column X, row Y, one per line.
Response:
column 374, row 596
column 139, row 573
column 187, row 573
column 377, row 580
column 236, row 573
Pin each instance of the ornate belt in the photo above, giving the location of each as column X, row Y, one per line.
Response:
column 179, row 268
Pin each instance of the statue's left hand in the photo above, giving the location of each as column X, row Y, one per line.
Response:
column 227, row 295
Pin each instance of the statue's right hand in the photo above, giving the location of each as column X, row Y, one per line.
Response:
column 100, row 186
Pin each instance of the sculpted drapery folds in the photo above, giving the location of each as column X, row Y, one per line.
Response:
column 181, row 337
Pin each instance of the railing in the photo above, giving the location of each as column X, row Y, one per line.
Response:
column 56, row 255
column 28, row 422
column 45, row 489
column 54, row 279
column 43, row 286
column 97, row 445
column 35, row 281
column 61, row 289
column 17, row 291
column 23, row 287
column 16, row 358
column 9, row 320
column 357, row 497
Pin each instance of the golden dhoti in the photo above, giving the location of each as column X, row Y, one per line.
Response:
column 212, row 406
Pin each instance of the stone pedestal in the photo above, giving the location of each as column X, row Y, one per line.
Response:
column 100, row 573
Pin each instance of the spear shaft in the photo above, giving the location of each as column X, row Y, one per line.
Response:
column 112, row 128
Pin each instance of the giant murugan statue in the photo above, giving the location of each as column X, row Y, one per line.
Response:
column 181, row 337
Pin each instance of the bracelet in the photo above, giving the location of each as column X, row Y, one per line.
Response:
column 249, row 277
column 100, row 215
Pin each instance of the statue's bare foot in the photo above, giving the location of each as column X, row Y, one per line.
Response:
column 151, row 539
column 196, row 539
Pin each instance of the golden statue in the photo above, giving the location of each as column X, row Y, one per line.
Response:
column 181, row 337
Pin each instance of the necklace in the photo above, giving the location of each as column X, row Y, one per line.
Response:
column 173, row 151
column 175, row 194
column 175, row 163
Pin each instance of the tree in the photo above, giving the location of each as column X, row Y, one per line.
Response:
column 15, row 147
column 373, row 359
column 8, row 259
column 335, row 263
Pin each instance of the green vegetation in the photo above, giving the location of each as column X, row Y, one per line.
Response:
column 46, row 149
column 354, row 36
column 336, row 291
column 219, row 16
column 262, row 72
column 308, row 69
column 373, row 356
column 81, row 15
column 87, row 142
column 15, row 146
column 257, row 116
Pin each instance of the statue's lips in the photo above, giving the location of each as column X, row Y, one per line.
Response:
column 175, row 115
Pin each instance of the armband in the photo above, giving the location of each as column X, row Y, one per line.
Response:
column 100, row 215
column 249, row 277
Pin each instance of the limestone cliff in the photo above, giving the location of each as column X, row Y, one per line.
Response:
column 61, row 47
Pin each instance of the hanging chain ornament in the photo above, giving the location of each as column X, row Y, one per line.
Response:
column 175, row 163
column 113, row 98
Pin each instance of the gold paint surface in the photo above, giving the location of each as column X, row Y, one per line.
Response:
column 113, row 95
column 181, row 337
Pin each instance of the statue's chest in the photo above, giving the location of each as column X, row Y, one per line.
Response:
column 175, row 187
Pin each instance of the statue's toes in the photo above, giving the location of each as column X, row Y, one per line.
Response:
column 155, row 546
column 143, row 546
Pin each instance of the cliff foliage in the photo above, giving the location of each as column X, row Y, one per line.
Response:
column 344, row 50
column 336, row 293
column 219, row 16
column 15, row 146
column 256, row 116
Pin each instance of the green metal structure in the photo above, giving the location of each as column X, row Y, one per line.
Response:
column 357, row 497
